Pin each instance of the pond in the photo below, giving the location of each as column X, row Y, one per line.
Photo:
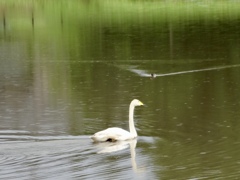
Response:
column 69, row 69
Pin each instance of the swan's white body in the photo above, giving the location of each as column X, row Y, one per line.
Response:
column 119, row 134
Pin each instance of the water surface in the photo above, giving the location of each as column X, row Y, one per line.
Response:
column 70, row 69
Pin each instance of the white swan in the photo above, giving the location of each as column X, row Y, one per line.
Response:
column 118, row 134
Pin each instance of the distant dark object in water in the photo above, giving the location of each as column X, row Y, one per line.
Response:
column 153, row 75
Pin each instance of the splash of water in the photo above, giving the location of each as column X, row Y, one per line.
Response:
column 143, row 73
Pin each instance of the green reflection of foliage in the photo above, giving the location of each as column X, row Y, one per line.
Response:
column 81, row 24
column 119, row 12
column 63, row 36
column 79, row 31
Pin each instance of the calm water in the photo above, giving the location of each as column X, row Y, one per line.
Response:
column 70, row 69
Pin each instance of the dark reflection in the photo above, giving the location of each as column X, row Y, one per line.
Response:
column 4, row 22
column 32, row 19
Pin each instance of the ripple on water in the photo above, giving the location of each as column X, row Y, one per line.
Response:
column 69, row 157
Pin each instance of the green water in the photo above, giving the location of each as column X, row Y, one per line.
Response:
column 70, row 68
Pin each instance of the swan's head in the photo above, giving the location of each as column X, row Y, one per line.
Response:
column 136, row 102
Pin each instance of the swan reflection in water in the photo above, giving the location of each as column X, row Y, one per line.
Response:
column 109, row 147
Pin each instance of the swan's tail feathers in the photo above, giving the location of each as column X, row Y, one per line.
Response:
column 95, row 138
column 103, row 138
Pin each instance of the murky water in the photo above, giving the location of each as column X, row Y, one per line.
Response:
column 70, row 68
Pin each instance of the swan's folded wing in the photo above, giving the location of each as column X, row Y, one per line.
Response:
column 111, row 134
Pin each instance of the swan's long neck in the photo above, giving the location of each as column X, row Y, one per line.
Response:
column 131, row 122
